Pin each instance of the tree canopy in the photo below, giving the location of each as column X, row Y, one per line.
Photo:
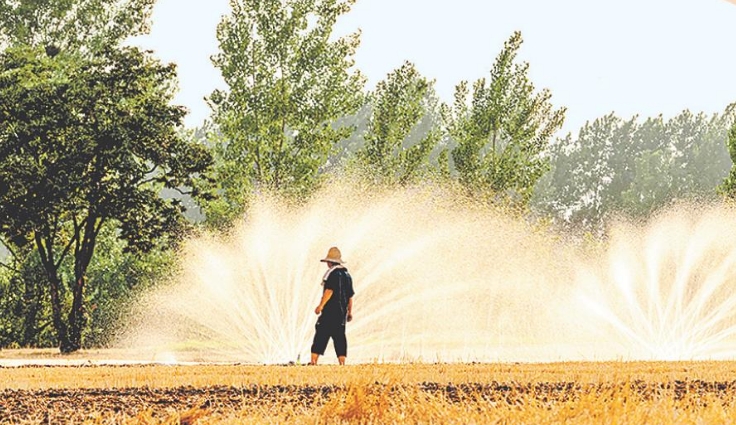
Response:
column 84, row 142
column 73, row 25
column 502, row 130
column 401, row 131
column 288, row 83
column 634, row 167
column 728, row 187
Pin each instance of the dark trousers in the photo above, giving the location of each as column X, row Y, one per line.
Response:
column 326, row 330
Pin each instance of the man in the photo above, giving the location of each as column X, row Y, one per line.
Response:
column 335, row 308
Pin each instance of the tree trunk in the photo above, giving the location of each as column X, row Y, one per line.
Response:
column 62, row 334
column 31, row 307
column 76, row 315
column 82, row 258
column 52, row 275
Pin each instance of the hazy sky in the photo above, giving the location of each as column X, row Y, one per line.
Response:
column 625, row 56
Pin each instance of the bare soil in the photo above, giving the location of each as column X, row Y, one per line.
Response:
column 74, row 405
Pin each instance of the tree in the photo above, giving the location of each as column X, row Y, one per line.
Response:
column 582, row 170
column 728, row 187
column 85, row 142
column 617, row 166
column 503, row 130
column 288, row 84
column 113, row 280
column 24, row 310
column 401, row 132
column 344, row 153
column 72, row 25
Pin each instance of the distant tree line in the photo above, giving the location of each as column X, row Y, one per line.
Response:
column 99, row 180
column 635, row 167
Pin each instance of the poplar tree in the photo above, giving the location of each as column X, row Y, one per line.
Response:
column 401, row 131
column 288, row 82
column 502, row 129
column 72, row 25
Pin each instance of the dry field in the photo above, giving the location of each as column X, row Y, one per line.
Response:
column 554, row 393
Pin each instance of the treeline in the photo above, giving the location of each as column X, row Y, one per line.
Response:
column 635, row 167
column 98, row 176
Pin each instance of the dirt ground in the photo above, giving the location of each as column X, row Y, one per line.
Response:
column 79, row 404
column 74, row 392
column 73, row 405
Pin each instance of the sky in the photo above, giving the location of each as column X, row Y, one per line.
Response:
column 629, row 57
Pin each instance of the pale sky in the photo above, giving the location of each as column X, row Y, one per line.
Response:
column 630, row 57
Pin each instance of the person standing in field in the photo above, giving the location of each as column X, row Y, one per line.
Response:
column 335, row 308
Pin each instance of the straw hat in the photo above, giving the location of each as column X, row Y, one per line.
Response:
column 333, row 256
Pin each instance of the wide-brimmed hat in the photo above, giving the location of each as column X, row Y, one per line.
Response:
column 333, row 256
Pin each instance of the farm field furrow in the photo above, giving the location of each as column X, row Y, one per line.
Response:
column 571, row 393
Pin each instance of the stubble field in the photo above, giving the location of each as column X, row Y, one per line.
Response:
column 554, row 393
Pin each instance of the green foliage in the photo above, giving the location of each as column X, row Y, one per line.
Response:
column 84, row 142
column 634, row 168
column 502, row 130
column 401, row 130
column 345, row 151
column 728, row 187
column 91, row 140
column 288, row 84
column 24, row 307
column 72, row 25
column 231, row 187
column 114, row 279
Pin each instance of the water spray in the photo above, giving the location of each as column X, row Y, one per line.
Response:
column 440, row 278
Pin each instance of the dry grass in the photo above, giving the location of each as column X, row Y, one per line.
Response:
column 170, row 376
column 557, row 393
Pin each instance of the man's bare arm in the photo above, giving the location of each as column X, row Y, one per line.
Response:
column 325, row 297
